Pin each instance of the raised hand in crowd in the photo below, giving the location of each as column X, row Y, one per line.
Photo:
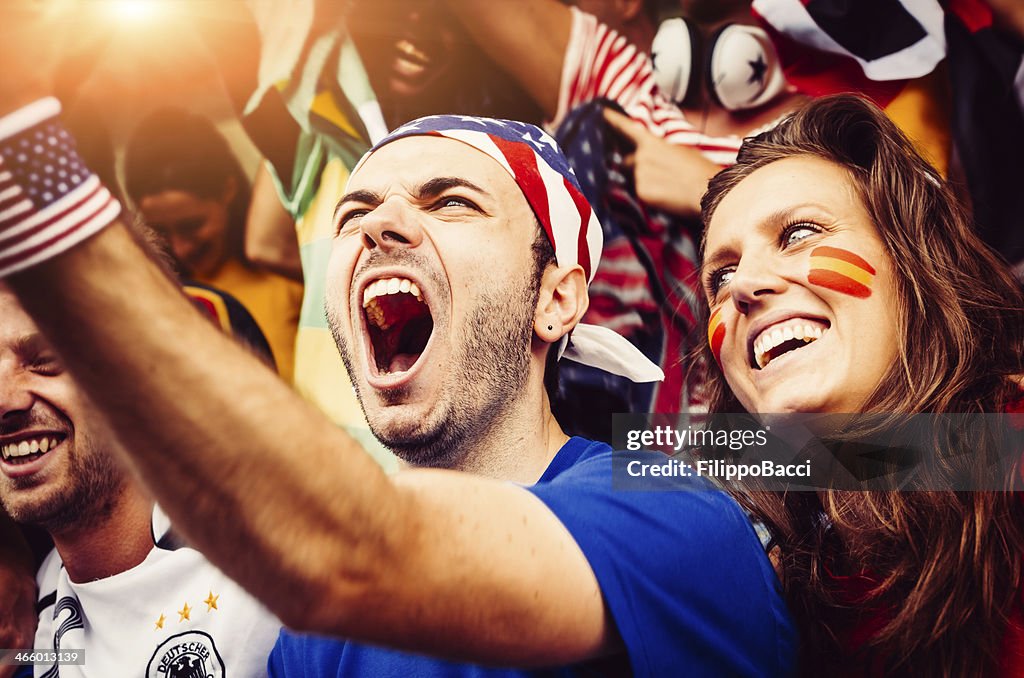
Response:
column 667, row 176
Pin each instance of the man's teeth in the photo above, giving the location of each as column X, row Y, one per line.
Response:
column 382, row 288
column 386, row 286
column 769, row 339
column 27, row 447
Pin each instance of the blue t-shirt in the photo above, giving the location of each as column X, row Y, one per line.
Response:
column 682, row 572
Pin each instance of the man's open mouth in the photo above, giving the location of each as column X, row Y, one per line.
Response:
column 398, row 322
column 30, row 447
column 783, row 338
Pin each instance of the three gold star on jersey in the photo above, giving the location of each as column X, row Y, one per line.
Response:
column 185, row 613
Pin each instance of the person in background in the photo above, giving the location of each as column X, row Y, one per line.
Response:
column 687, row 98
column 190, row 188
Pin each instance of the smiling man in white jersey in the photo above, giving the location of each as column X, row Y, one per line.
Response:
column 119, row 587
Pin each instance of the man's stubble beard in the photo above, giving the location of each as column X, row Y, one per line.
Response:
column 96, row 484
column 490, row 370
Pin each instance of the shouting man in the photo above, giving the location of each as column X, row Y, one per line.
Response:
column 458, row 278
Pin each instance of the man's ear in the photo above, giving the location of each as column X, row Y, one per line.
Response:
column 562, row 301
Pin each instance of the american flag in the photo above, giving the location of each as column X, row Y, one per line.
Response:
column 540, row 169
column 49, row 200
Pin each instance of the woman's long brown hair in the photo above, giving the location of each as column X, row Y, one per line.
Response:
column 941, row 570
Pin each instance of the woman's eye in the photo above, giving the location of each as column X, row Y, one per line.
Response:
column 719, row 279
column 798, row 232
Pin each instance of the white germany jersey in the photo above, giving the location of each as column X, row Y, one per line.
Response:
column 172, row 616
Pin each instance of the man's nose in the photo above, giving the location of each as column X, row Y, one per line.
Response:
column 16, row 398
column 391, row 225
column 752, row 282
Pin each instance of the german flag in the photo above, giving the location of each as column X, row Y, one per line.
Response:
column 841, row 270
column 716, row 334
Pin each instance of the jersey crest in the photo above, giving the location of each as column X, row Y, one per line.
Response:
column 192, row 654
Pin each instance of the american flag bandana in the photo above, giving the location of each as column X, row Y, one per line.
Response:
column 542, row 172
column 49, row 200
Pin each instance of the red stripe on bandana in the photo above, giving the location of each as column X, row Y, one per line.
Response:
column 523, row 162
column 582, row 246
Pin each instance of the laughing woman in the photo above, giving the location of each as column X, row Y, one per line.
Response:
column 832, row 226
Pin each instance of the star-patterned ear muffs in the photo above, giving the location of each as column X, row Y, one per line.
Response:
column 740, row 66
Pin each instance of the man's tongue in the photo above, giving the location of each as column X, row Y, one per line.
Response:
column 401, row 362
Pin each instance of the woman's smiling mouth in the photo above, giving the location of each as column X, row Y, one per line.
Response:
column 784, row 337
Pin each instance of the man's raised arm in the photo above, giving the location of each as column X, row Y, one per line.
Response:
column 261, row 482
column 290, row 506
column 526, row 37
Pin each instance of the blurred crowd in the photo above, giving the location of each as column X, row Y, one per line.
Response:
column 232, row 130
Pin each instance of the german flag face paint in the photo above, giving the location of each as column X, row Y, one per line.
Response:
column 716, row 334
column 841, row 270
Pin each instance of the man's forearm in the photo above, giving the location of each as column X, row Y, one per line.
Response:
column 290, row 506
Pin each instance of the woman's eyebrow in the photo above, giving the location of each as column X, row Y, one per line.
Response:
column 767, row 222
column 710, row 263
